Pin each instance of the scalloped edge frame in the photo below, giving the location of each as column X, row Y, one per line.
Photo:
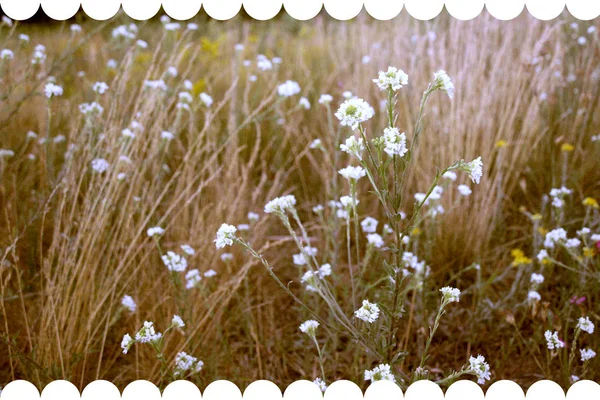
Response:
column 301, row 9
column 301, row 390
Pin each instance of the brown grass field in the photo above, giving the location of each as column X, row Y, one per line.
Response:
column 73, row 242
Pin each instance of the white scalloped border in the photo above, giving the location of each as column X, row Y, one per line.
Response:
column 301, row 390
column 302, row 9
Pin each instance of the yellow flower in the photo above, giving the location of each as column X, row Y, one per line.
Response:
column 536, row 217
column 416, row 232
column 500, row 144
column 519, row 258
column 590, row 202
column 588, row 252
column 567, row 147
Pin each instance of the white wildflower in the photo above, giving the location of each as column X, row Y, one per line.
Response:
column 309, row 327
column 533, row 295
column 442, row 82
column 585, row 324
column 450, row 294
column 100, row 87
column 353, row 112
column 192, row 278
column 369, row 312
column 147, row 333
column 395, row 142
column 128, row 302
column 174, row 262
column 353, row 146
column 393, row 79
column 369, row 225
column 288, row 89
column 210, row 273
column 552, row 340
column 464, row 190
column 100, row 165
column 187, row 249
column 155, row 231
column 52, row 90
column 320, row 384
column 380, row 373
column 177, row 322
column 352, row 173
column 126, row 343
column 206, row 99
column 375, row 239
column 587, row 354
column 280, row 204
column 225, row 236
column 473, row 168
column 325, row 99
column 537, row 278
column 304, row 103
column 480, row 368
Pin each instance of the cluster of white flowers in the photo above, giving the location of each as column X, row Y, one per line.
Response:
column 155, row 231
column 158, row 84
column 206, row 99
column 558, row 195
column 91, row 109
column 5, row 153
column 309, row 327
column 537, row 278
column 464, row 190
column 320, row 384
column 6, row 54
column 382, row 372
column 354, row 111
column 128, row 302
column 185, row 363
column 310, row 278
column 52, row 90
column 128, row 32
column 375, row 239
column 480, row 367
column 300, row 259
column 450, row 294
column 587, row 354
column 177, row 322
column 395, row 142
column 280, row 204
column 263, row 63
column 352, row 173
column 174, row 262
column 354, row 147
column 147, row 333
column 393, row 79
column 100, row 165
column 325, row 99
column 288, row 89
column 225, row 236
column 39, row 55
column 369, row 312
column 410, row 260
column 441, row 81
column 192, row 278
column 553, row 237
column 585, row 324
column 369, row 225
column 552, row 340
column 100, row 87
column 473, row 168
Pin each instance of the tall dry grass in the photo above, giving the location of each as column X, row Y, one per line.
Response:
column 73, row 243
